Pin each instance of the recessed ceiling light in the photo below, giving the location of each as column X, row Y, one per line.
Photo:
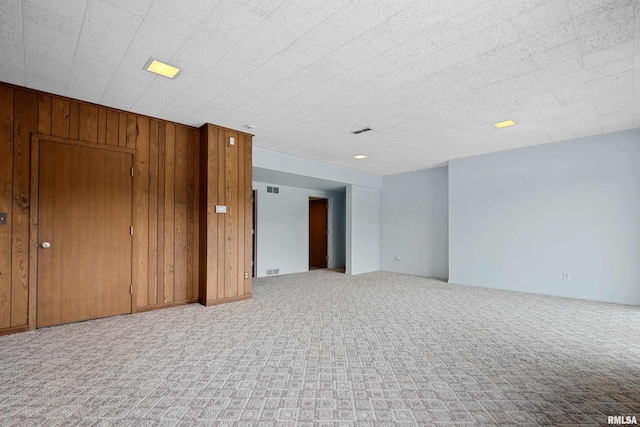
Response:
column 504, row 124
column 360, row 157
column 161, row 68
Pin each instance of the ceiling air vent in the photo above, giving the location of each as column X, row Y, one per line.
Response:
column 274, row 190
column 356, row 132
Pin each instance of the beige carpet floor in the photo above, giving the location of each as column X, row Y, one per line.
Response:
column 323, row 348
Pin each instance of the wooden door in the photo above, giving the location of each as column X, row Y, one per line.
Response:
column 318, row 232
column 84, row 212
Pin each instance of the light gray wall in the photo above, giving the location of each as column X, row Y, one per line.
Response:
column 282, row 229
column 519, row 219
column 363, row 229
column 414, row 223
column 282, row 162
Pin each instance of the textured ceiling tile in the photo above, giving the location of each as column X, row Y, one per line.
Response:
column 296, row 18
column 103, row 16
column 514, row 8
column 268, row 37
column 614, row 53
column 262, row 8
column 50, row 38
column 12, row 65
column 59, row 20
column 579, row 7
column 10, row 26
column 479, row 18
column 45, row 63
column 105, row 40
column 137, row 8
column 356, row 17
column 596, row 32
column 231, row 19
column 434, row 74
column 540, row 18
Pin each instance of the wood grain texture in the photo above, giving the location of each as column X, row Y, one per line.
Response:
column 191, row 209
column 44, row 114
column 131, row 132
column 82, row 191
column 153, row 213
column 88, row 124
column 6, row 190
column 180, row 202
column 224, row 239
column 175, row 201
column 112, row 128
column 140, row 261
column 102, row 126
column 240, row 214
column 169, row 213
column 74, row 120
column 60, row 117
column 122, row 130
column 221, row 236
column 161, row 214
column 25, row 122
column 196, row 212
column 204, row 224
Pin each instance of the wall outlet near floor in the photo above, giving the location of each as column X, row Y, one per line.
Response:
column 566, row 277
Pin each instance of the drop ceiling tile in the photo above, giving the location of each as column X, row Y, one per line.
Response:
column 12, row 8
column 12, row 69
column 50, row 38
column 120, row 96
column 138, row 8
column 403, row 67
column 479, row 18
column 63, row 20
column 297, row 18
column 106, row 17
column 540, row 18
column 514, row 8
column 105, row 40
column 325, row 68
column 46, row 64
column 10, row 26
column 357, row 17
column 617, row 52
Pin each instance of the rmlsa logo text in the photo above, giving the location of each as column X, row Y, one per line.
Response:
column 622, row 420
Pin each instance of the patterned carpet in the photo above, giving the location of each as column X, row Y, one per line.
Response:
column 322, row 348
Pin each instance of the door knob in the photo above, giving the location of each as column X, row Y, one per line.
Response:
column 45, row 245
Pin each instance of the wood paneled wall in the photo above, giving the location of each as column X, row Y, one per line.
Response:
column 226, row 238
column 165, row 201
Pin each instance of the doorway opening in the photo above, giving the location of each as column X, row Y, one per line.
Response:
column 318, row 233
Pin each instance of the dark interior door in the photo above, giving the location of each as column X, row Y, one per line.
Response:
column 318, row 232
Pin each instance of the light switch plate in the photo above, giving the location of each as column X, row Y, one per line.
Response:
column 3, row 218
column 221, row 209
column 232, row 141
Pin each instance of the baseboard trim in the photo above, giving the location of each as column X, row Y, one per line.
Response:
column 529, row 291
column 14, row 330
column 167, row 305
column 209, row 303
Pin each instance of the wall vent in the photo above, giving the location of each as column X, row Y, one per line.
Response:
column 271, row 272
column 274, row 190
column 356, row 132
